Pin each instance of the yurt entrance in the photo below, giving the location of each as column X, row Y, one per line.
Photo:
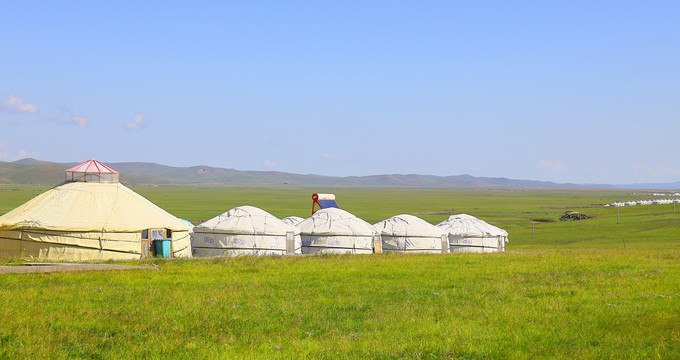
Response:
column 156, row 242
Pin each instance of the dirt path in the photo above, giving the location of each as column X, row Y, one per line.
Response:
column 52, row 267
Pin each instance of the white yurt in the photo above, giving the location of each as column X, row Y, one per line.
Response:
column 91, row 217
column 408, row 233
column 245, row 230
column 470, row 234
column 336, row 231
column 293, row 220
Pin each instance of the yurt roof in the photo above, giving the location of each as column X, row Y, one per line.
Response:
column 408, row 225
column 91, row 171
column 85, row 206
column 467, row 225
column 334, row 221
column 92, row 166
column 293, row 220
column 246, row 220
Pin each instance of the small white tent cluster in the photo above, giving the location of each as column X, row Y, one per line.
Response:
column 91, row 217
column 470, row 234
column 408, row 233
column 245, row 230
column 336, row 231
column 643, row 202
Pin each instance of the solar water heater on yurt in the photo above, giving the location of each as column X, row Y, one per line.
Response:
column 336, row 231
column 323, row 201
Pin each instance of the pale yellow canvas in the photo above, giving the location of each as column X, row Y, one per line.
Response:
column 87, row 221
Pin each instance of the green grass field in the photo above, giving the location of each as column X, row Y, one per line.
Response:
column 595, row 289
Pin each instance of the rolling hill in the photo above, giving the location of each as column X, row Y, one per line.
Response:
column 32, row 171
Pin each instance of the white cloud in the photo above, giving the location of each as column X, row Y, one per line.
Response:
column 270, row 163
column 553, row 166
column 66, row 116
column 138, row 123
column 80, row 120
column 21, row 154
column 655, row 171
column 15, row 104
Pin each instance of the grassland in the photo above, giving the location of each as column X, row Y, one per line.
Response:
column 599, row 289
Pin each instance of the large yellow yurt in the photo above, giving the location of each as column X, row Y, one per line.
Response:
column 91, row 216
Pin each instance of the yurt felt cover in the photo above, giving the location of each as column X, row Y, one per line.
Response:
column 410, row 233
column 470, row 226
column 80, row 206
column 334, row 221
column 244, row 230
column 334, row 230
column 408, row 225
column 247, row 220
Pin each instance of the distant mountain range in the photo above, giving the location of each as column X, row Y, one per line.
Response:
column 32, row 171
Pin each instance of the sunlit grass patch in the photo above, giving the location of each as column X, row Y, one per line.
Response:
column 606, row 287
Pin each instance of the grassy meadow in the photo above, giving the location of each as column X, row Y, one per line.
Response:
column 606, row 287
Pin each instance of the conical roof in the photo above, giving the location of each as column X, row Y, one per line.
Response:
column 92, row 171
column 334, row 221
column 248, row 220
column 408, row 225
column 86, row 206
column 467, row 225
column 93, row 166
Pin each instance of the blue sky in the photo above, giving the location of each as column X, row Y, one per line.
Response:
column 566, row 91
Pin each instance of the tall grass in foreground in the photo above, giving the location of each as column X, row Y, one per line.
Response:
column 607, row 287
column 565, row 304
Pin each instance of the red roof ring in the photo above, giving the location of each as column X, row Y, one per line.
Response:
column 93, row 166
column 92, row 171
